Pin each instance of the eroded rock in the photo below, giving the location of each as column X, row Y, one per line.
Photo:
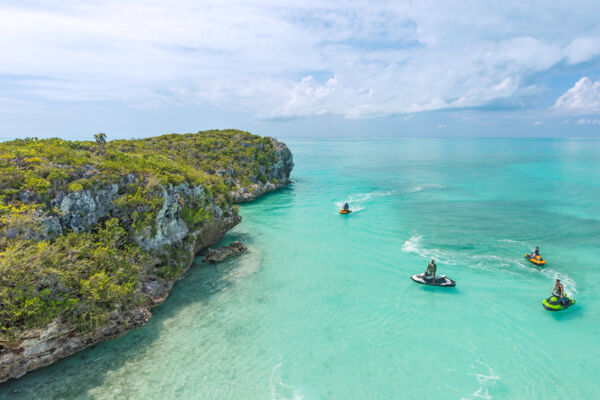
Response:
column 220, row 254
column 81, row 210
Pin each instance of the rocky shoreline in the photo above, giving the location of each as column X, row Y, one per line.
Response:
column 37, row 348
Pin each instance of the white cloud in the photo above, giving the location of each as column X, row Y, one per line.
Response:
column 583, row 49
column 582, row 98
column 588, row 121
column 538, row 123
column 359, row 58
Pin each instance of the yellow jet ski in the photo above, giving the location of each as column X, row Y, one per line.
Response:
column 345, row 211
column 537, row 260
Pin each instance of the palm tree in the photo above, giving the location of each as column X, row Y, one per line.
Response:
column 101, row 142
column 100, row 139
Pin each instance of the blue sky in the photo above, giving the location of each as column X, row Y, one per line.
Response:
column 315, row 68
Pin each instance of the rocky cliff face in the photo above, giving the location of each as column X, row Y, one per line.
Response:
column 173, row 237
column 276, row 178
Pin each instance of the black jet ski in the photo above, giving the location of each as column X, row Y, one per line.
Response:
column 553, row 303
column 441, row 280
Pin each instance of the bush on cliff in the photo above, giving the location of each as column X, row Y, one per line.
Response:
column 51, row 272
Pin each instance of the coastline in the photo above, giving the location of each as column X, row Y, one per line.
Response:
column 36, row 348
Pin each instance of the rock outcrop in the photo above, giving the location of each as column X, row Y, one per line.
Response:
column 276, row 178
column 40, row 347
column 82, row 209
column 222, row 253
column 169, row 238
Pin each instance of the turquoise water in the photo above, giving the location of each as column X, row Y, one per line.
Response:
column 322, row 306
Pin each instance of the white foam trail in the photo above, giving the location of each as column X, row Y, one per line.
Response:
column 568, row 283
column 513, row 241
column 421, row 187
column 357, row 201
column 413, row 245
column 281, row 390
column 485, row 379
column 486, row 262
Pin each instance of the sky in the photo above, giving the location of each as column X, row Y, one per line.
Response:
column 425, row 68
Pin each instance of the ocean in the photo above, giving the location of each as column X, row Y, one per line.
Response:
column 322, row 306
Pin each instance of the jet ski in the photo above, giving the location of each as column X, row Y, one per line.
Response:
column 345, row 211
column 441, row 280
column 552, row 303
column 537, row 260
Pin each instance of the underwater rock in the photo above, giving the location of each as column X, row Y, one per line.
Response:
column 220, row 254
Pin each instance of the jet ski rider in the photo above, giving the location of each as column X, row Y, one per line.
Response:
column 431, row 270
column 346, row 207
column 535, row 252
column 559, row 291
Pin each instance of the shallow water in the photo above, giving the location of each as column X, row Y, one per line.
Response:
column 322, row 306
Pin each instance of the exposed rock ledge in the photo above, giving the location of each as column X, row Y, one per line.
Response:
column 42, row 347
column 220, row 254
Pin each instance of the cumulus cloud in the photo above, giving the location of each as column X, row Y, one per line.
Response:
column 582, row 98
column 359, row 59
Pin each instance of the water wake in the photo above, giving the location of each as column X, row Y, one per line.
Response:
column 569, row 283
column 281, row 390
column 514, row 242
column 421, row 187
column 413, row 245
column 486, row 379
column 487, row 262
column 357, row 201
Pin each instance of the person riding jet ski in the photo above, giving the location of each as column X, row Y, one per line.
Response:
column 559, row 291
column 535, row 257
column 558, row 300
column 431, row 270
column 430, row 278
column 346, row 209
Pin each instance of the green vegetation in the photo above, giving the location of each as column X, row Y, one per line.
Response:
column 50, row 272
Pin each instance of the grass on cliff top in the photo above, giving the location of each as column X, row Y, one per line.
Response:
column 81, row 277
column 49, row 165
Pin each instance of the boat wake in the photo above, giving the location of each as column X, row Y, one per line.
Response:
column 486, row 379
column 413, row 245
column 421, row 187
column 486, row 262
column 514, row 242
column 568, row 282
column 358, row 202
column 281, row 390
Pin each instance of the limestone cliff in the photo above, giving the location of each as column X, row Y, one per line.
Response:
column 149, row 224
column 277, row 177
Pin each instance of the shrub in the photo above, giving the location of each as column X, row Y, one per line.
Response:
column 75, row 186
column 80, row 277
